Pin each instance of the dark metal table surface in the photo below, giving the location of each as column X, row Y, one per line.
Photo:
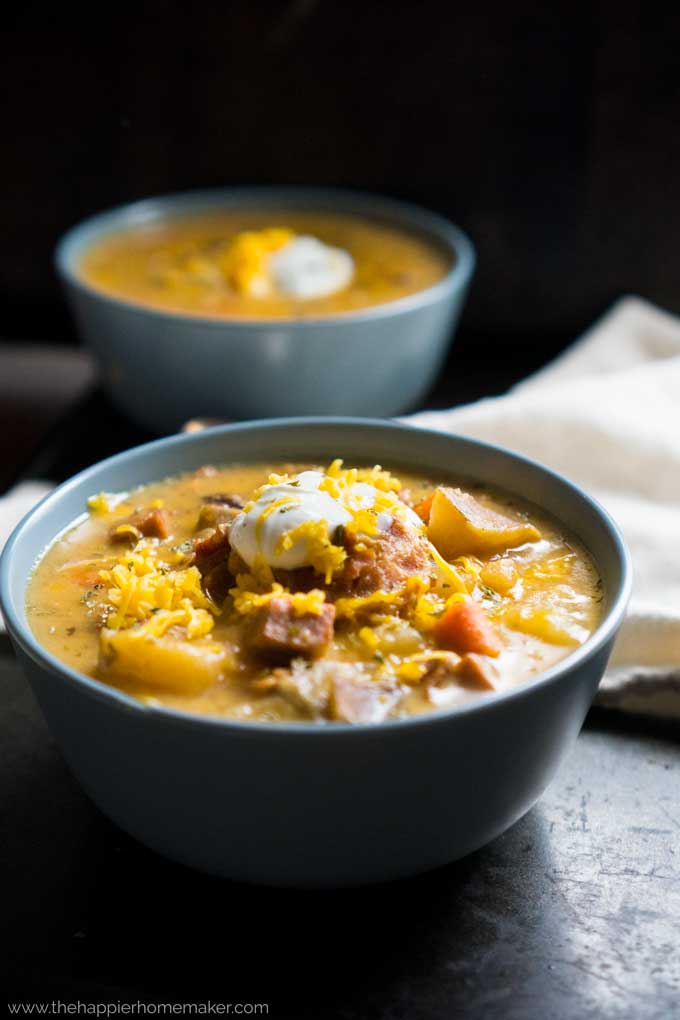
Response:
column 573, row 913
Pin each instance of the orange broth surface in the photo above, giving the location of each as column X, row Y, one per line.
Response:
column 183, row 264
column 388, row 655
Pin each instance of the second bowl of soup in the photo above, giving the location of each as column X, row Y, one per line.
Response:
column 237, row 303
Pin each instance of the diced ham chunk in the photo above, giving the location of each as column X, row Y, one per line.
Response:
column 357, row 701
column 211, row 556
column 149, row 523
column 307, row 685
column 479, row 671
column 226, row 499
column 153, row 523
column 213, row 546
column 470, row 670
column 382, row 563
column 278, row 633
column 218, row 510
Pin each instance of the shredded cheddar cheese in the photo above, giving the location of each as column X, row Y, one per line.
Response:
column 141, row 587
column 105, row 502
column 246, row 602
column 374, row 476
column 413, row 669
column 244, row 264
column 324, row 557
column 382, row 603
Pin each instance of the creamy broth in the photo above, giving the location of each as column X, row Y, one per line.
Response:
column 535, row 590
column 186, row 264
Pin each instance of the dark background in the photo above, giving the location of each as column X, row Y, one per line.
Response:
column 550, row 132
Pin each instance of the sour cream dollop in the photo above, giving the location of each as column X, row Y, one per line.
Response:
column 258, row 533
column 307, row 268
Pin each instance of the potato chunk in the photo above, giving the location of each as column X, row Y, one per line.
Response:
column 554, row 625
column 500, row 574
column 169, row 663
column 461, row 525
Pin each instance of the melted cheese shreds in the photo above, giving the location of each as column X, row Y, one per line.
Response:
column 246, row 602
column 381, row 603
column 447, row 578
column 245, row 264
column 323, row 556
column 196, row 622
column 141, row 587
column 369, row 637
column 263, row 263
column 375, row 476
column 289, row 525
column 105, row 502
column 413, row 669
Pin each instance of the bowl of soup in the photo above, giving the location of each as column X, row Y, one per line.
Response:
column 241, row 303
column 315, row 652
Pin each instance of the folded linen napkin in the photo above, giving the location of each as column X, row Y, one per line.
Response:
column 13, row 507
column 607, row 414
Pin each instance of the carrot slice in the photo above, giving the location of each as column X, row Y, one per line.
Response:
column 424, row 507
column 465, row 627
column 85, row 574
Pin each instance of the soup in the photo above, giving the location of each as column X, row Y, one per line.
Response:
column 264, row 265
column 287, row 592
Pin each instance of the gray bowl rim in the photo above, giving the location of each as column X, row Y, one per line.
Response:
column 78, row 238
column 23, row 636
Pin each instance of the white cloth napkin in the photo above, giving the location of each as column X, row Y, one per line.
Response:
column 17, row 503
column 607, row 414
column 14, row 506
